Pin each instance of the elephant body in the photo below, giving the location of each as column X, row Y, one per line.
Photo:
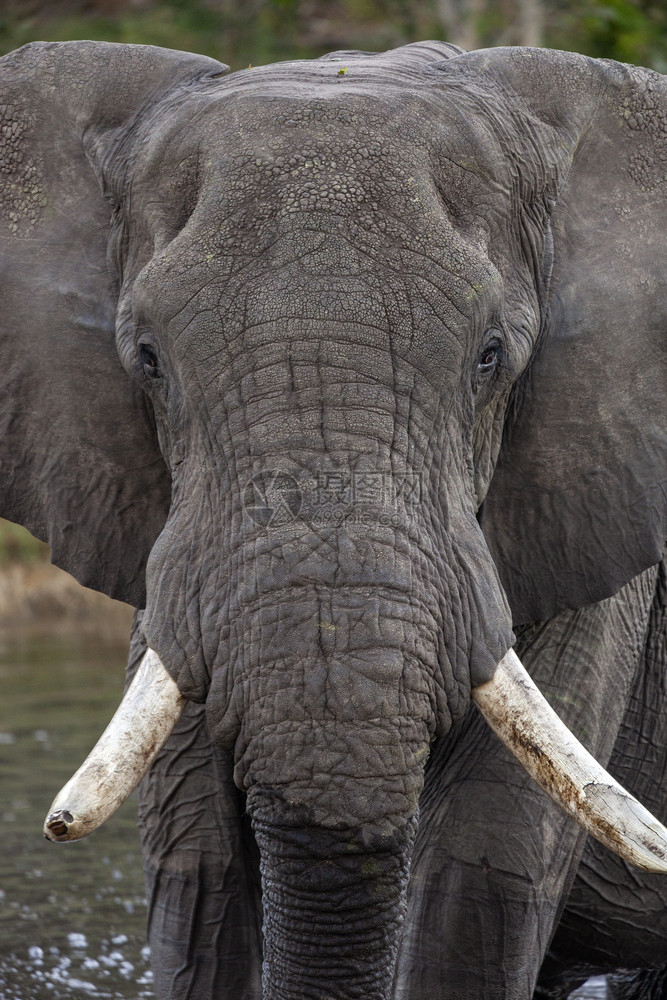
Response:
column 345, row 372
column 480, row 909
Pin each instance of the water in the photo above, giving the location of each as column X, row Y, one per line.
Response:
column 72, row 917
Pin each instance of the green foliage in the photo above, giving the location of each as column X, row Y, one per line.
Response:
column 173, row 24
column 240, row 32
column 235, row 31
column 628, row 30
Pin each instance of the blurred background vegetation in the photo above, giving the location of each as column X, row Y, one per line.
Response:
column 240, row 32
column 18, row 546
column 243, row 32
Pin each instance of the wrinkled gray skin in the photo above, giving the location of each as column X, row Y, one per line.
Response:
column 272, row 339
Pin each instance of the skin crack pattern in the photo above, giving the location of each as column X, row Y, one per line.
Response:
column 642, row 112
column 22, row 196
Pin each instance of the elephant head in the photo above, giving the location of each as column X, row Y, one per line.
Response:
column 337, row 368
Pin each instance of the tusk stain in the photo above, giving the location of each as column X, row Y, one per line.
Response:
column 524, row 721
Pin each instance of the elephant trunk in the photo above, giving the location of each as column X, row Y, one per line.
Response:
column 331, row 717
column 334, row 902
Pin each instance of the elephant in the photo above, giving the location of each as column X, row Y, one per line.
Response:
column 348, row 375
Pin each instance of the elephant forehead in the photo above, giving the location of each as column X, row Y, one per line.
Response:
column 313, row 235
column 310, row 150
column 277, row 150
column 313, row 209
column 333, row 156
column 255, row 159
column 342, row 183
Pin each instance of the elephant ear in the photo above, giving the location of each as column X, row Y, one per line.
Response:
column 79, row 460
column 576, row 506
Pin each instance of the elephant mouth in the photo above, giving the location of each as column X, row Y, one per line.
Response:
column 510, row 702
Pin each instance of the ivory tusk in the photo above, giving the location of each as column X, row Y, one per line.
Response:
column 124, row 753
column 524, row 721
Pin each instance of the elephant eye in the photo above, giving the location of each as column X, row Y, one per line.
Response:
column 489, row 358
column 149, row 361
